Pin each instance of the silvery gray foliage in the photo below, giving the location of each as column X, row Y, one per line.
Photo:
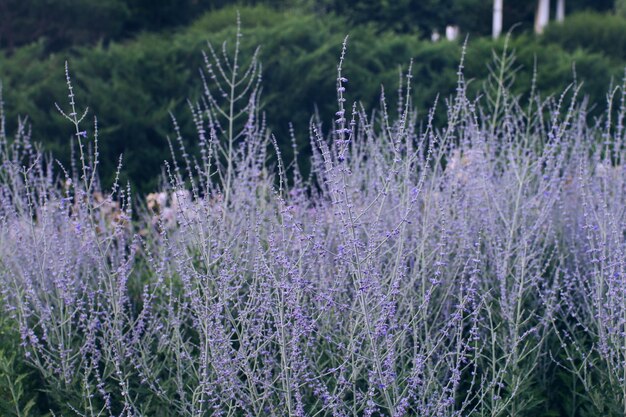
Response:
column 418, row 270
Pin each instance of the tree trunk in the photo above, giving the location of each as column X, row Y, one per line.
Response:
column 543, row 15
column 497, row 18
column 560, row 11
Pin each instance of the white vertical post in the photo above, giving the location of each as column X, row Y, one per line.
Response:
column 497, row 18
column 543, row 15
column 560, row 11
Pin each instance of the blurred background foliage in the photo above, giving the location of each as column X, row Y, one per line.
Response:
column 135, row 61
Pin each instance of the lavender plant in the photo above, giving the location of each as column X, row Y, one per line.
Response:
column 66, row 259
column 594, row 298
column 417, row 270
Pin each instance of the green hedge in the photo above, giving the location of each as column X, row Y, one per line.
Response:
column 132, row 86
column 592, row 32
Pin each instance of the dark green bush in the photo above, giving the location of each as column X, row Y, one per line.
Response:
column 132, row 86
column 592, row 32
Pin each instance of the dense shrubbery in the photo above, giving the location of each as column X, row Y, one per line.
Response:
column 592, row 32
column 64, row 23
column 134, row 85
column 474, row 269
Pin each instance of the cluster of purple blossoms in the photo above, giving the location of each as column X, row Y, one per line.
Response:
column 416, row 271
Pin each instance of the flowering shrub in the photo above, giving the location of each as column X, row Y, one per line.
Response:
column 416, row 270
